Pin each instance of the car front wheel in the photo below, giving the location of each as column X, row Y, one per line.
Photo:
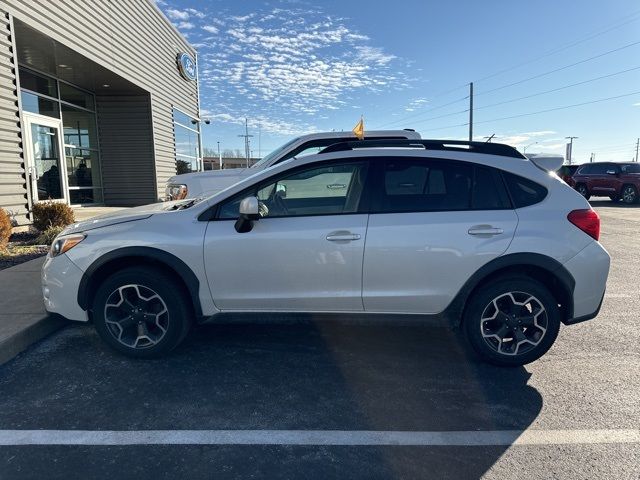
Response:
column 512, row 322
column 141, row 312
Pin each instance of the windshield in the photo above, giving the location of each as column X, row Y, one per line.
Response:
column 267, row 158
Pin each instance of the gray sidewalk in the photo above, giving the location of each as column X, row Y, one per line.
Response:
column 23, row 319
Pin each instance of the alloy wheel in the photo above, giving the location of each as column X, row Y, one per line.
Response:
column 136, row 316
column 514, row 323
column 582, row 190
column 629, row 194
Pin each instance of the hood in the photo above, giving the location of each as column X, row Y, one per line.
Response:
column 121, row 216
column 209, row 174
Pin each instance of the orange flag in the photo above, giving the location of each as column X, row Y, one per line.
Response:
column 358, row 130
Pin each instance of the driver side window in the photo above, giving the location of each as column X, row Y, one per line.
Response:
column 325, row 190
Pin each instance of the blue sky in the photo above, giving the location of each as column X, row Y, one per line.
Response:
column 297, row 66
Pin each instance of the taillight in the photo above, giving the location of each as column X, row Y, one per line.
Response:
column 586, row 220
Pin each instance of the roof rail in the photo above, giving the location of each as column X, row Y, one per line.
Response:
column 448, row 145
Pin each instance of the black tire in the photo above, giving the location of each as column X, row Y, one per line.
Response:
column 168, row 328
column 582, row 189
column 481, row 303
column 629, row 194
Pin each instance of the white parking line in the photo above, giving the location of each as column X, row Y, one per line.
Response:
column 316, row 437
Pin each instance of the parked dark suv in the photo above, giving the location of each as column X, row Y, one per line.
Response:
column 618, row 181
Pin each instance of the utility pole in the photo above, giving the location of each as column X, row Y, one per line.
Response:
column 219, row 156
column 570, row 152
column 259, row 140
column 637, row 145
column 593, row 156
column 471, row 112
column 246, row 137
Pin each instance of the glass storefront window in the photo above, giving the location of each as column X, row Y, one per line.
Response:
column 186, row 164
column 38, row 83
column 79, row 128
column 186, row 142
column 76, row 96
column 83, row 168
column 34, row 104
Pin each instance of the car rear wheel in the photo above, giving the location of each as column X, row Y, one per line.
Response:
column 629, row 194
column 582, row 189
column 141, row 312
column 512, row 322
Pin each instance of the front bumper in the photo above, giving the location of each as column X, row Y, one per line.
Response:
column 60, row 279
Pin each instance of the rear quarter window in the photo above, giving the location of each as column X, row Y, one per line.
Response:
column 523, row 191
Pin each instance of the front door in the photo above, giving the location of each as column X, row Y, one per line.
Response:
column 304, row 254
column 44, row 159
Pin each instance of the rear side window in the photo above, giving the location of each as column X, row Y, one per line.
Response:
column 523, row 191
column 425, row 186
column 489, row 192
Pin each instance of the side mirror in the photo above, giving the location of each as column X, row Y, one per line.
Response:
column 249, row 211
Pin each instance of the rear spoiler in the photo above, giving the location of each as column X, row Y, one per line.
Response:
column 550, row 163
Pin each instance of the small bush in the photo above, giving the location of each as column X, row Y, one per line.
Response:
column 5, row 229
column 48, row 236
column 51, row 214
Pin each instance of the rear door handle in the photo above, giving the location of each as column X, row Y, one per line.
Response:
column 485, row 230
column 342, row 237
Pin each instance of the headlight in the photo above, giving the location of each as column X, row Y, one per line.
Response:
column 65, row 243
column 176, row 192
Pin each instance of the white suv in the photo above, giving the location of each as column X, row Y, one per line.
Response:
column 471, row 233
column 197, row 184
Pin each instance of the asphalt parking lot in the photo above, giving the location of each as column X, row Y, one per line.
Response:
column 309, row 380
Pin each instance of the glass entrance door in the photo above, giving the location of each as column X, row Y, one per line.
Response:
column 44, row 159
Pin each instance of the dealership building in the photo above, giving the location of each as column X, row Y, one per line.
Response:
column 99, row 103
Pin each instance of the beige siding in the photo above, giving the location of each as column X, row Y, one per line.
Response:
column 12, row 182
column 129, row 37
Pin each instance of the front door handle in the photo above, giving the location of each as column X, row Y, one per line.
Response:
column 342, row 236
column 484, row 231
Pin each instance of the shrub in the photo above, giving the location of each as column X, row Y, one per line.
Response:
column 5, row 229
column 47, row 237
column 51, row 214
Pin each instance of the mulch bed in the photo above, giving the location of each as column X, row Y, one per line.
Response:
column 20, row 250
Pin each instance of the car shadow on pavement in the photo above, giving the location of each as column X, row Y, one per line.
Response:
column 311, row 375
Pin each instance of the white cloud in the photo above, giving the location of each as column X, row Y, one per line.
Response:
column 636, row 104
column 196, row 13
column 211, row 29
column 286, row 65
column 175, row 14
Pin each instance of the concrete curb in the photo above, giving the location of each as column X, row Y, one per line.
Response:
column 22, row 339
column 23, row 319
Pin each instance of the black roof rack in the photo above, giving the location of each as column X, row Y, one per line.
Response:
column 448, row 145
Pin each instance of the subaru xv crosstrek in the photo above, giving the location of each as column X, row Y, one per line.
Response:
column 471, row 234
column 618, row 181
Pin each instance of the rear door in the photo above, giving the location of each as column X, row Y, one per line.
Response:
column 433, row 224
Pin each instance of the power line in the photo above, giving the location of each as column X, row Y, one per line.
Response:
column 559, row 88
column 540, row 111
column 630, row 19
column 559, row 69
column 419, row 114
column 562, row 108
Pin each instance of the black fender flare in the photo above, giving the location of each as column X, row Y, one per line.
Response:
column 565, row 280
column 149, row 254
